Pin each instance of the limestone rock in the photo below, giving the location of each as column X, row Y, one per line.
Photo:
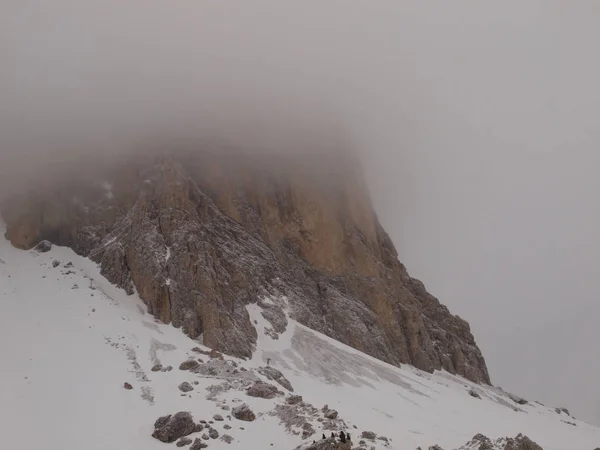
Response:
column 241, row 229
column 186, row 387
column 243, row 412
column 263, row 390
column 171, row 428
column 189, row 364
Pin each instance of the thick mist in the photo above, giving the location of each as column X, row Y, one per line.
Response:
column 477, row 124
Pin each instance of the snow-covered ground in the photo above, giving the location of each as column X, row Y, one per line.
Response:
column 69, row 341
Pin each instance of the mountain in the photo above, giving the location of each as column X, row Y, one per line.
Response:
column 85, row 365
column 200, row 238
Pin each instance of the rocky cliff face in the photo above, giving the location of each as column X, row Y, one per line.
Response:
column 199, row 238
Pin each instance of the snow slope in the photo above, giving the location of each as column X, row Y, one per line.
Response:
column 69, row 341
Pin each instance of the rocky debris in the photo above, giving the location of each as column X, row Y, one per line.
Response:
column 243, row 412
column 276, row 376
column 218, row 418
column 170, row 428
column 127, row 386
column 167, row 369
column 198, row 444
column 186, row 387
column 43, row 247
column 368, row 435
column 474, row 393
column 157, row 368
column 326, row 444
column 55, row 263
column 190, row 364
column 258, row 229
column 297, row 418
column 198, row 427
column 562, row 410
column 227, row 427
column 261, row 389
column 205, row 437
column 294, row 399
column 481, row 442
column 212, row 433
column 183, row 442
column 227, row 439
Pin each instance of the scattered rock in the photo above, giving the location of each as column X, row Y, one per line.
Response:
column 167, row 369
column 189, row 364
column 171, row 428
column 127, row 386
column 55, row 263
column 562, row 410
column 212, row 433
column 205, row 437
column 227, row 427
column 227, row 439
column 186, row 387
column 218, row 417
column 183, row 442
column 157, row 368
column 243, row 412
column 198, row 427
column 261, row 389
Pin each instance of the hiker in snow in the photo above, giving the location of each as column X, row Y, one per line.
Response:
column 342, row 437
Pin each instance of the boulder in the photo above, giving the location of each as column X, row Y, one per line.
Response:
column 186, row 387
column 261, row 389
column 189, row 364
column 243, row 412
column 171, row 428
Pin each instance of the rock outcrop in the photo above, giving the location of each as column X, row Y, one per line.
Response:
column 481, row 442
column 200, row 238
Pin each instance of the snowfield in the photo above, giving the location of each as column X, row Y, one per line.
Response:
column 69, row 340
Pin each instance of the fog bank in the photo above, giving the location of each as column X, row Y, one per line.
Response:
column 477, row 124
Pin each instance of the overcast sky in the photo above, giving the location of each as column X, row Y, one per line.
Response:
column 478, row 124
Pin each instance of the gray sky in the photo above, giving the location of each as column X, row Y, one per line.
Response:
column 478, row 124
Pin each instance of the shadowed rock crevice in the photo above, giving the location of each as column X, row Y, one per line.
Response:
column 200, row 238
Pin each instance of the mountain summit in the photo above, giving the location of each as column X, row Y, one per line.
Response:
column 201, row 237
